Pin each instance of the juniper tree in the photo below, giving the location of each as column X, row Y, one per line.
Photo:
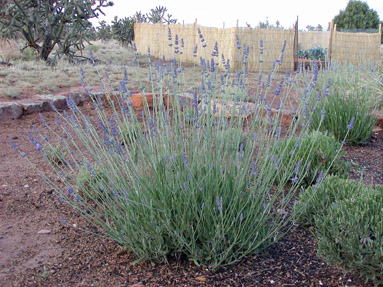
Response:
column 357, row 15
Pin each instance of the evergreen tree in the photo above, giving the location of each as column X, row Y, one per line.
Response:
column 357, row 15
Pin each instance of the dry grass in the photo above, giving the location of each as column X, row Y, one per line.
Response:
column 24, row 78
column 9, row 50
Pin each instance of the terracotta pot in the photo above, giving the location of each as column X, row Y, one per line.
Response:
column 138, row 100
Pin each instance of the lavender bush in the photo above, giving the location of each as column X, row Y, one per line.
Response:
column 348, row 96
column 164, row 184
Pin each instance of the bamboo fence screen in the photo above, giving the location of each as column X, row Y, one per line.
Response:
column 344, row 47
column 355, row 48
column 156, row 37
column 307, row 40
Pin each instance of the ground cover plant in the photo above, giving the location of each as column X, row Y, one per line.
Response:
column 176, row 188
column 315, row 200
column 346, row 215
column 350, row 233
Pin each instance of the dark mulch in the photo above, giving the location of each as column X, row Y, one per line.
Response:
column 67, row 256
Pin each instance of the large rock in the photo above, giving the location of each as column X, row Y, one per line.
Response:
column 57, row 100
column 10, row 111
column 32, row 107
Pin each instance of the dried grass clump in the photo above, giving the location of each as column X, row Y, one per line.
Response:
column 9, row 50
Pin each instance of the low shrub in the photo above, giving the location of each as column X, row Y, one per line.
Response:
column 317, row 151
column 350, row 233
column 316, row 200
column 29, row 54
column 12, row 93
column 94, row 48
column 345, row 106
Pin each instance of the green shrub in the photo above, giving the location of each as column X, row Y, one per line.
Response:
column 350, row 233
column 29, row 54
column 348, row 101
column 317, row 151
column 315, row 53
column 94, row 48
column 316, row 200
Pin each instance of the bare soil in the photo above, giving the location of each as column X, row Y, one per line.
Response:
column 38, row 249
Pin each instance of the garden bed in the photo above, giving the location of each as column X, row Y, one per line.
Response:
column 38, row 249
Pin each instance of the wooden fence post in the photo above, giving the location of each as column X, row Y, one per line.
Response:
column 329, row 49
column 295, row 48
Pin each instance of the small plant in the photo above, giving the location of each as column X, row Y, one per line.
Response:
column 89, row 180
column 94, row 48
column 316, row 53
column 44, row 273
column 28, row 54
column 317, row 151
column 56, row 153
column 350, row 233
column 316, row 200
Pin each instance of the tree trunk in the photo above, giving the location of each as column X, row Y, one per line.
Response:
column 46, row 49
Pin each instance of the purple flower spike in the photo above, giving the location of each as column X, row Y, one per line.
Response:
column 38, row 146
column 323, row 113
column 195, row 51
column 218, row 201
column 13, row 144
column 261, row 47
column 351, row 123
column 169, row 34
column 237, row 42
